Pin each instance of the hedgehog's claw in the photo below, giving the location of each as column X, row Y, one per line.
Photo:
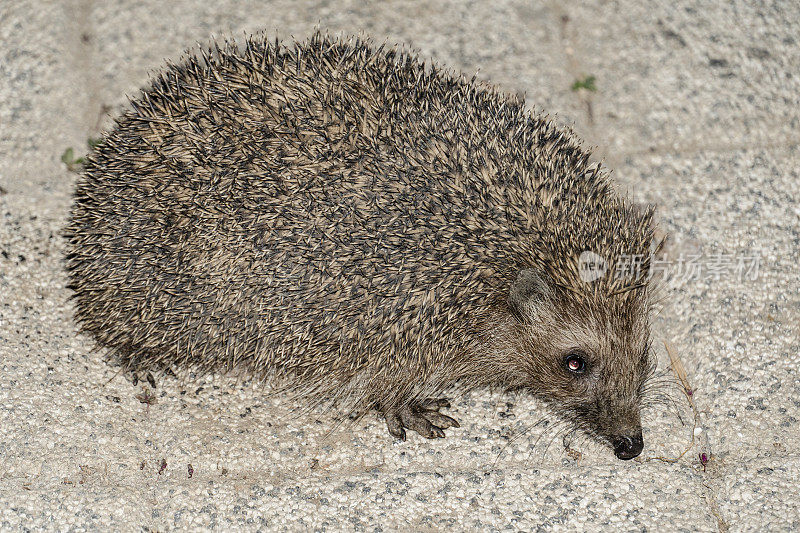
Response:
column 135, row 376
column 423, row 417
column 434, row 403
column 395, row 426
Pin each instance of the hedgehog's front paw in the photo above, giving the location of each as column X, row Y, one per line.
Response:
column 423, row 417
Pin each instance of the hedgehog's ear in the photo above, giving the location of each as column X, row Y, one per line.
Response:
column 528, row 288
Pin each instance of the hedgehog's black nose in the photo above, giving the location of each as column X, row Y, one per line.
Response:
column 628, row 447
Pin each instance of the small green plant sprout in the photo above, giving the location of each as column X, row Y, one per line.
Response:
column 74, row 164
column 587, row 83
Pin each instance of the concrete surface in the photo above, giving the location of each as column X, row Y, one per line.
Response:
column 696, row 109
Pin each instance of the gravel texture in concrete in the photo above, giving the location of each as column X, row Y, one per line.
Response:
column 696, row 109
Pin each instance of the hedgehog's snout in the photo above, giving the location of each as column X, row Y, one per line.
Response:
column 624, row 432
column 628, row 446
column 619, row 424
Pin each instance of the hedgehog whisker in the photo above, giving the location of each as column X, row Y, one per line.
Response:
column 551, row 433
column 526, row 429
column 564, row 430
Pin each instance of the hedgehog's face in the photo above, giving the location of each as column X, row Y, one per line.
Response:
column 589, row 363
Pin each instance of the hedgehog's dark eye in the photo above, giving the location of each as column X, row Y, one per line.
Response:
column 575, row 363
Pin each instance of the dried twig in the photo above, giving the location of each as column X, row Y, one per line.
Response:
column 680, row 373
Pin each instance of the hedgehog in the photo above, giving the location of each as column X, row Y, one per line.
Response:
column 368, row 229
